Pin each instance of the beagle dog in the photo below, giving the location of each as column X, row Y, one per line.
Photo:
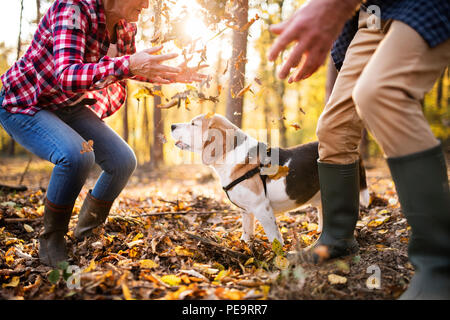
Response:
column 247, row 169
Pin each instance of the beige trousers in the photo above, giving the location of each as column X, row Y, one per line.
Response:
column 385, row 75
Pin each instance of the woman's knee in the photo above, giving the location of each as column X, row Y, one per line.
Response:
column 76, row 162
column 123, row 164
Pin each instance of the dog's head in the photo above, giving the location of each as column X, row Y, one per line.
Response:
column 211, row 136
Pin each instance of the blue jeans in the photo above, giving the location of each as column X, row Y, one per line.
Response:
column 57, row 136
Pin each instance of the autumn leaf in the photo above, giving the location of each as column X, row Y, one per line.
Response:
column 126, row 292
column 13, row 283
column 243, row 91
column 209, row 115
column 282, row 171
column 335, row 279
column 180, row 251
column 143, row 92
column 281, row 262
column 277, row 248
column 87, row 147
column 169, row 105
column 148, row 264
column 296, row 126
column 249, row 24
column 171, row 280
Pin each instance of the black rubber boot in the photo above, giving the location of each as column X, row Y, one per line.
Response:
column 92, row 214
column 52, row 244
column 422, row 186
column 339, row 188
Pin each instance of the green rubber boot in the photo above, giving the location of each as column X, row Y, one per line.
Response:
column 52, row 243
column 339, row 188
column 422, row 186
column 93, row 213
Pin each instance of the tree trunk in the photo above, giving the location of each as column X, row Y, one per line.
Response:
column 237, row 65
column 125, row 132
column 38, row 11
column 156, row 152
column 12, row 146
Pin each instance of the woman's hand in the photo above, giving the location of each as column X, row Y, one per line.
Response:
column 147, row 64
column 313, row 28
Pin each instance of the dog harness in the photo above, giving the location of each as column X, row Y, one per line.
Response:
column 249, row 175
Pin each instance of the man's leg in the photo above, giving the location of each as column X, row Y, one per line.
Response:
column 339, row 133
column 388, row 97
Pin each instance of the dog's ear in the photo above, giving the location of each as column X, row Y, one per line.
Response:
column 213, row 141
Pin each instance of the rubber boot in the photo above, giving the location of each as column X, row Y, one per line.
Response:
column 422, row 186
column 339, row 188
column 92, row 214
column 52, row 244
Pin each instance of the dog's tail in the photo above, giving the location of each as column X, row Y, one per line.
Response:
column 364, row 195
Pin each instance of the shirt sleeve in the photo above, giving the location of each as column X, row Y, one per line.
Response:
column 71, row 25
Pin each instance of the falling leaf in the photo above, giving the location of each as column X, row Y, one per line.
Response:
column 282, row 171
column 226, row 67
column 258, row 81
column 13, row 283
column 249, row 24
column 335, row 279
column 143, row 92
column 169, row 105
column 171, row 280
column 87, row 147
column 243, row 91
column 302, row 111
column 295, row 126
column 162, row 138
column 209, row 115
column 148, row 264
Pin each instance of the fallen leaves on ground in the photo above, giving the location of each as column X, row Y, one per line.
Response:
column 175, row 237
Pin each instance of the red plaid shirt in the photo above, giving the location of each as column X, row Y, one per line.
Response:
column 67, row 62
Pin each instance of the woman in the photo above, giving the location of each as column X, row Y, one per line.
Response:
column 53, row 100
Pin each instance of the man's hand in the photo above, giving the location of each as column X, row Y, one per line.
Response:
column 147, row 64
column 313, row 28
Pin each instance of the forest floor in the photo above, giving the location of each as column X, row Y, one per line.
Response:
column 173, row 234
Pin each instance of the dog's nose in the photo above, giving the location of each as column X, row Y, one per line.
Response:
column 173, row 127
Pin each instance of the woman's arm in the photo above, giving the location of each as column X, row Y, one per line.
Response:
column 70, row 27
